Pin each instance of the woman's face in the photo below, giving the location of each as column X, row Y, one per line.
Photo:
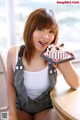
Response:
column 42, row 38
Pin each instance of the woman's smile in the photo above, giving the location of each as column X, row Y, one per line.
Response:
column 43, row 44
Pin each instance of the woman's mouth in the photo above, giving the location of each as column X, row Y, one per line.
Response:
column 43, row 43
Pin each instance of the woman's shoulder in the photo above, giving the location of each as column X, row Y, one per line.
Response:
column 12, row 50
column 11, row 54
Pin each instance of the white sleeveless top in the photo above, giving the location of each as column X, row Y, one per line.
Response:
column 35, row 82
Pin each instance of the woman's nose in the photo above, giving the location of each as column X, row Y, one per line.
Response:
column 46, row 35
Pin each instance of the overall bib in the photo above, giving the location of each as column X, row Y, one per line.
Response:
column 23, row 101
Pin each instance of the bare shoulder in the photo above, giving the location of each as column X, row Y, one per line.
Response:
column 12, row 51
column 11, row 55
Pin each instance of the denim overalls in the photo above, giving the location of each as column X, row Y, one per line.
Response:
column 24, row 102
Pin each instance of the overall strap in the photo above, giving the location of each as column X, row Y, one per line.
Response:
column 20, row 54
column 19, row 65
column 19, row 76
column 52, row 72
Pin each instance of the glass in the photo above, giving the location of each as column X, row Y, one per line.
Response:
column 3, row 26
column 21, row 13
column 67, row 16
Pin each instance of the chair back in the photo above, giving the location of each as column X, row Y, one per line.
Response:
column 3, row 77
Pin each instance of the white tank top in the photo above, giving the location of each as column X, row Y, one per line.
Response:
column 35, row 82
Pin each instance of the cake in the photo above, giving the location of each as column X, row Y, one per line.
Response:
column 56, row 52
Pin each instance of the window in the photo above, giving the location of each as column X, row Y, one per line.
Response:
column 3, row 25
column 67, row 16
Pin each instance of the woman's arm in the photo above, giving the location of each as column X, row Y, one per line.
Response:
column 69, row 74
column 10, row 87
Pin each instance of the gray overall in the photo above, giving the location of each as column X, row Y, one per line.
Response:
column 23, row 101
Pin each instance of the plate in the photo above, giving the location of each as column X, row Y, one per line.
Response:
column 45, row 56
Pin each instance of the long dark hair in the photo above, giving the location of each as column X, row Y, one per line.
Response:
column 40, row 18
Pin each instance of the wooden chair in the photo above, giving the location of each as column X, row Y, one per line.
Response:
column 3, row 84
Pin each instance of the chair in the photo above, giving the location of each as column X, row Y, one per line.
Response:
column 3, row 85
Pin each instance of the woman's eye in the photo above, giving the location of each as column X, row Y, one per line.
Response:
column 41, row 29
column 51, row 31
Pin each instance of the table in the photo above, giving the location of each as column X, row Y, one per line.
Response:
column 65, row 100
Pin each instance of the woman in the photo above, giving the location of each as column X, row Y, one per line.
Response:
column 29, row 77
